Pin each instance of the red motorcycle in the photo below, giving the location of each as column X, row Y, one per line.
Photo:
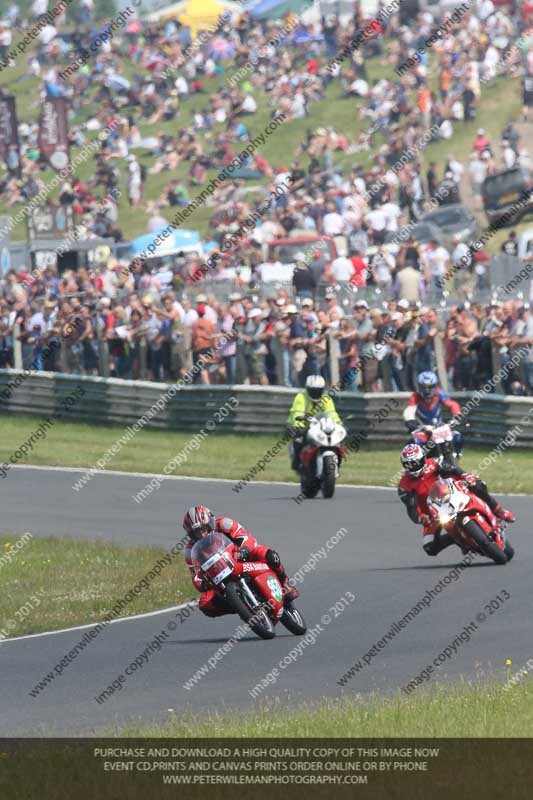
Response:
column 250, row 589
column 468, row 520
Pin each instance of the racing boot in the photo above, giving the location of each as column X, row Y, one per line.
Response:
column 480, row 489
column 274, row 562
column 289, row 592
column 503, row 514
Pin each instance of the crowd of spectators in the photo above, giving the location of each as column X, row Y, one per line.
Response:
column 143, row 322
column 276, row 341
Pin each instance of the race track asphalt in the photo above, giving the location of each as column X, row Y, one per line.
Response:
column 379, row 560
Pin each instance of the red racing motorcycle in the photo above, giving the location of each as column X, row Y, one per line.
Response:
column 250, row 589
column 468, row 520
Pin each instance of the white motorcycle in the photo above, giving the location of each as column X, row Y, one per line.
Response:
column 437, row 442
column 321, row 456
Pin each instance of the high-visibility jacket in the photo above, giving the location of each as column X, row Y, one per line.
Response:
column 303, row 405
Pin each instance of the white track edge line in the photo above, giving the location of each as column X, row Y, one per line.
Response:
column 100, row 622
column 235, row 481
column 126, row 474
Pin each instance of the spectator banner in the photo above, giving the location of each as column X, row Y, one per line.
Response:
column 9, row 138
column 53, row 133
column 50, row 222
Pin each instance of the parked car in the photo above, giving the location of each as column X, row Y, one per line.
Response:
column 422, row 232
column 502, row 190
column 454, row 221
column 284, row 250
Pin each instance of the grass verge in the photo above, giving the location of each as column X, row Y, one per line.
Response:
column 230, row 456
column 446, row 711
column 57, row 583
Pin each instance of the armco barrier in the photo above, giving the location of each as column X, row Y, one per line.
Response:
column 261, row 409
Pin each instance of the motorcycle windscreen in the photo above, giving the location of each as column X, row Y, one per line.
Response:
column 445, row 501
column 440, row 494
column 208, row 556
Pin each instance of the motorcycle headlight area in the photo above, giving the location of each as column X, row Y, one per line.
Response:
column 318, row 436
column 446, row 512
column 217, row 568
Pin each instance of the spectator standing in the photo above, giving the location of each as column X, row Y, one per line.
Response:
column 203, row 339
column 303, row 280
column 296, row 344
column 133, row 182
column 510, row 246
column 228, row 351
column 407, row 283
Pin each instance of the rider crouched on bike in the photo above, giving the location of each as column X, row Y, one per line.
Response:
column 424, row 407
column 199, row 521
column 309, row 403
column 420, row 473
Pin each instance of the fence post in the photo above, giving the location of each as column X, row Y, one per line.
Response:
column 143, row 351
column 277, row 352
column 496, row 366
column 334, row 351
column 63, row 357
column 17, row 347
column 103, row 357
column 438, row 347
column 386, row 374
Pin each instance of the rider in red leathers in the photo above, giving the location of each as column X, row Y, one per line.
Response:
column 419, row 476
column 200, row 521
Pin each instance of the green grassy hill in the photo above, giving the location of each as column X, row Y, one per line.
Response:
column 499, row 104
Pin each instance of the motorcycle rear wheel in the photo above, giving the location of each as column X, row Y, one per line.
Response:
column 488, row 548
column 328, row 481
column 310, row 487
column 293, row 620
column 259, row 622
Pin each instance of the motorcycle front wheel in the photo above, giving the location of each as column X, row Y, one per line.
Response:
column 259, row 621
column 509, row 550
column 293, row 620
column 328, row 481
column 488, row 548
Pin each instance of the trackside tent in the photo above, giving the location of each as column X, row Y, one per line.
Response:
column 177, row 241
column 197, row 14
column 276, row 9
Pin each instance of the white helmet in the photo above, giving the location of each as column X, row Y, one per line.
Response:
column 315, row 385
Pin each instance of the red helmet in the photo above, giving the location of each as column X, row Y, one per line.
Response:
column 198, row 521
column 413, row 460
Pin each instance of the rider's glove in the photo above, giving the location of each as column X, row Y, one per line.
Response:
column 201, row 583
column 469, row 479
column 424, row 520
column 243, row 553
column 295, row 431
column 411, row 425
